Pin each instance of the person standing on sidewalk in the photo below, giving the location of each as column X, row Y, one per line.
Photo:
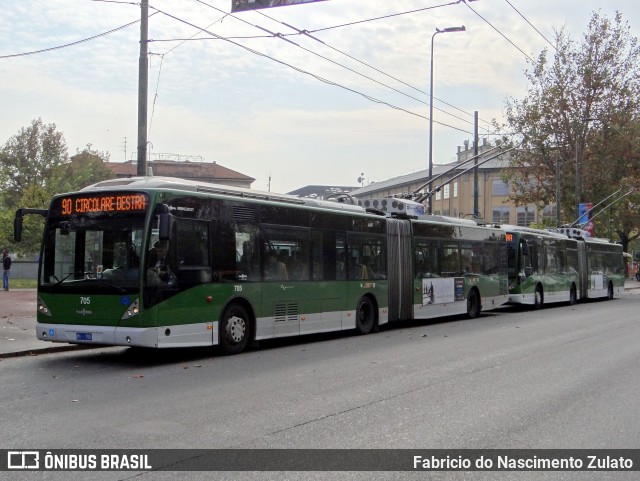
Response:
column 6, row 265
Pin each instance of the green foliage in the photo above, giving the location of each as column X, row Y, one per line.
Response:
column 34, row 166
column 581, row 109
column 85, row 168
column 29, row 158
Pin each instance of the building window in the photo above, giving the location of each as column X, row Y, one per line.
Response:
column 455, row 189
column 438, row 195
column 446, row 191
column 501, row 215
column 499, row 187
column 445, row 212
column 525, row 216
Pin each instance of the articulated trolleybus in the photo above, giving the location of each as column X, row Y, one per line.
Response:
column 561, row 265
column 160, row 262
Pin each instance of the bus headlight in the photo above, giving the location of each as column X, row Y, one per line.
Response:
column 132, row 310
column 42, row 308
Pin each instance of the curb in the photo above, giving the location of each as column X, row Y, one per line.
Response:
column 47, row 350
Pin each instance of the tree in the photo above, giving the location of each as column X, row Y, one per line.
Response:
column 581, row 111
column 85, row 168
column 34, row 196
column 29, row 157
column 35, row 166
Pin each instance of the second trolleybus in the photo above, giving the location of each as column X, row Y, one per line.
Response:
column 561, row 265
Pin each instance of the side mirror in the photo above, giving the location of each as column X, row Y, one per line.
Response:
column 165, row 222
column 525, row 248
column 165, row 226
column 17, row 226
column 17, row 220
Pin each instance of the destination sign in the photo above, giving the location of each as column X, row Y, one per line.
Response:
column 509, row 237
column 96, row 203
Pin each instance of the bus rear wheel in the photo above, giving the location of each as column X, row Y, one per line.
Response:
column 235, row 330
column 473, row 304
column 365, row 316
column 538, row 298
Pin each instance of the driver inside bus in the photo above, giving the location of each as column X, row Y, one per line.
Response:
column 157, row 265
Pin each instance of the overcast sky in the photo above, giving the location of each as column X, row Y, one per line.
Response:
column 350, row 98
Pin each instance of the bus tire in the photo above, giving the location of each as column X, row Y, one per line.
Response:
column 610, row 291
column 573, row 297
column 473, row 304
column 365, row 316
column 235, row 329
column 538, row 298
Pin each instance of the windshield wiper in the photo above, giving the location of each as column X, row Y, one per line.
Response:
column 69, row 275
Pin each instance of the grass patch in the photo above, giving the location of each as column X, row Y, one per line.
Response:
column 22, row 283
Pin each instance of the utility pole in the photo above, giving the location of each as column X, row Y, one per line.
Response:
column 476, row 211
column 143, row 84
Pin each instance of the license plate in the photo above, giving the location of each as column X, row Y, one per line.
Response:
column 83, row 336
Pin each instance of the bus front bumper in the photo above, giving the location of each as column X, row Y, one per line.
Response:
column 98, row 335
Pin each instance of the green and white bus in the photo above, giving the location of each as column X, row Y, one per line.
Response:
column 563, row 265
column 164, row 262
column 457, row 267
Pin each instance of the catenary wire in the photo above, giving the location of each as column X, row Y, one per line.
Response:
column 72, row 43
column 499, row 32
column 339, row 64
column 532, row 26
column 293, row 67
column 307, row 33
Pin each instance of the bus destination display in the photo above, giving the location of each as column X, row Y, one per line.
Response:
column 103, row 203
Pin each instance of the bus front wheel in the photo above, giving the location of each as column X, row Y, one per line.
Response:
column 473, row 304
column 235, row 330
column 365, row 316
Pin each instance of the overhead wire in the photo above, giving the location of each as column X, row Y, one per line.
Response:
column 77, row 42
column 331, row 60
column 155, row 96
column 498, row 30
column 308, row 34
column 532, row 26
column 281, row 62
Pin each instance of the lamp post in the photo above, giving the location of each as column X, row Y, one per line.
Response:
column 444, row 30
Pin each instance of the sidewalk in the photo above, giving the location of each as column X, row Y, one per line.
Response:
column 18, row 326
column 18, row 323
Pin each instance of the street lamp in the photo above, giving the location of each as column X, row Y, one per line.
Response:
column 444, row 30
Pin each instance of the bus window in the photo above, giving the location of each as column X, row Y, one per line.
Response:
column 551, row 264
column 192, row 261
column 247, row 258
column 426, row 259
column 287, row 254
column 450, row 260
column 341, row 257
column 490, row 257
column 367, row 257
column 317, row 248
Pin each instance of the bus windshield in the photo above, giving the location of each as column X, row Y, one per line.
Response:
column 92, row 250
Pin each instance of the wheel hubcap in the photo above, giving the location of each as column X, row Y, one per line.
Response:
column 236, row 328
